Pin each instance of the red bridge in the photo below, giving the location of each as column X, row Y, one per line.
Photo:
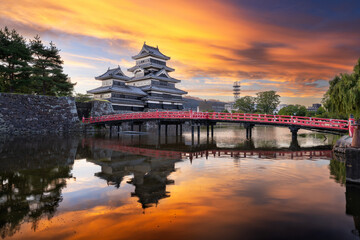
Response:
column 211, row 118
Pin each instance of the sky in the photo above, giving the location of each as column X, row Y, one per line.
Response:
column 292, row 47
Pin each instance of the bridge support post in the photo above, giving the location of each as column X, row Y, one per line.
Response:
column 159, row 129
column 294, row 130
column 180, row 129
column 177, row 129
column 294, row 145
column 139, row 127
column 166, row 130
column 248, row 127
column 132, row 126
column 207, row 130
column 212, row 130
column 110, row 129
column 192, row 133
column 356, row 135
column 198, row 131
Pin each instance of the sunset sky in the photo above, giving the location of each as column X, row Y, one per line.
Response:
column 293, row 47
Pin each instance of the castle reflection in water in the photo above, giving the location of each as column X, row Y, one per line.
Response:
column 33, row 173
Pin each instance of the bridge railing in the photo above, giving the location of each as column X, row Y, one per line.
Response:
column 243, row 117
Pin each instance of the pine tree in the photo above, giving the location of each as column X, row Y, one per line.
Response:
column 14, row 58
column 47, row 74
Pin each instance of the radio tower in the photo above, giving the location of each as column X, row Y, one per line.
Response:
column 236, row 89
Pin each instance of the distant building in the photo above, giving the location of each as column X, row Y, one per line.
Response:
column 314, row 107
column 229, row 106
column 151, row 87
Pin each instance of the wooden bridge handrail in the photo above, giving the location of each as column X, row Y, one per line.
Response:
column 337, row 124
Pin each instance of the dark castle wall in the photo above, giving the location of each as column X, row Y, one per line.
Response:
column 29, row 114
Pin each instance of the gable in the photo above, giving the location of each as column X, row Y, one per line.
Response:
column 163, row 75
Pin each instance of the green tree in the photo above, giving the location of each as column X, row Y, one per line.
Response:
column 47, row 74
column 295, row 110
column 245, row 104
column 343, row 96
column 14, row 58
column 79, row 97
column 267, row 101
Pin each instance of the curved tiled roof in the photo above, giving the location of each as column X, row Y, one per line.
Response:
column 163, row 89
column 147, row 50
column 148, row 65
column 154, row 76
column 149, row 98
column 127, row 101
column 114, row 73
column 119, row 89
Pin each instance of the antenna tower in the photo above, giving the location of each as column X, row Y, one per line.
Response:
column 236, row 89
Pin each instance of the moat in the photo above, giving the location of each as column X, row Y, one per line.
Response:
column 135, row 186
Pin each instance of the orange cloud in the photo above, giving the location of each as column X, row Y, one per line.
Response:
column 211, row 39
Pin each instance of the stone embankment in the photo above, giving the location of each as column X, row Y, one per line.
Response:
column 33, row 114
column 343, row 146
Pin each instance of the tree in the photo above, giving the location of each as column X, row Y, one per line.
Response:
column 14, row 58
column 295, row 110
column 47, row 74
column 79, row 97
column 267, row 101
column 245, row 104
column 343, row 96
column 320, row 111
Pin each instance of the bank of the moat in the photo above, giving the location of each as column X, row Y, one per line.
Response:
column 35, row 114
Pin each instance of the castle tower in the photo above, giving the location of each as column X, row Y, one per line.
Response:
column 151, row 74
column 151, row 87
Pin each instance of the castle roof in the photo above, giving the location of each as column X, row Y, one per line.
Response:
column 155, row 75
column 114, row 73
column 147, row 50
column 163, row 89
column 119, row 89
column 149, row 65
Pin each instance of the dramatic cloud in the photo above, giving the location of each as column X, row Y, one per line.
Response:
column 293, row 47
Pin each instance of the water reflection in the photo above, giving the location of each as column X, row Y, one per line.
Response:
column 346, row 171
column 174, row 181
column 31, row 179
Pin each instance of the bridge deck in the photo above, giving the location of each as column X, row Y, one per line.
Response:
column 213, row 117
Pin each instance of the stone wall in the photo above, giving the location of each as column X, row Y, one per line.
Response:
column 31, row 114
column 100, row 108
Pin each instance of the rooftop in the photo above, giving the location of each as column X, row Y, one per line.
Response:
column 163, row 89
column 148, row 65
column 119, row 89
column 114, row 73
column 147, row 50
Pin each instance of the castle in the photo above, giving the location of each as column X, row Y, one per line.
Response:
column 150, row 87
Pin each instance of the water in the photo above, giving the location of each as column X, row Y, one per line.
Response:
column 137, row 187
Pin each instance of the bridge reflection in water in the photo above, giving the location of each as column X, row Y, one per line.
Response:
column 34, row 174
